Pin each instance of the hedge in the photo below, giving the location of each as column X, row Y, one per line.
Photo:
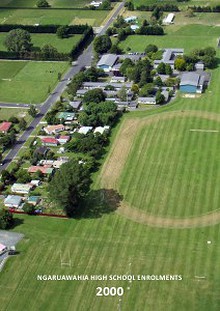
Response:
column 74, row 29
column 33, row 55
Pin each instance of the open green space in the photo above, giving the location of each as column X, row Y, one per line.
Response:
column 188, row 37
column 179, row 4
column 28, row 82
column 53, row 3
column 39, row 40
column 173, row 168
column 50, row 16
column 7, row 113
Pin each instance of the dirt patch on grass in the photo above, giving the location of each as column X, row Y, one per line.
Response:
column 118, row 156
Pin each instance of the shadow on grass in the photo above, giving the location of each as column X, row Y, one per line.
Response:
column 16, row 222
column 100, row 202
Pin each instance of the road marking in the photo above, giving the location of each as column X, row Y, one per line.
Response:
column 201, row 130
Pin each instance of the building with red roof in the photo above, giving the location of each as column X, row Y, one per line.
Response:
column 44, row 170
column 5, row 126
column 49, row 141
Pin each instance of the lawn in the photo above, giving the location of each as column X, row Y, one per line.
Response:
column 39, row 40
column 6, row 113
column 28, row 82
column 53, row 3
column 50, row 16
column 188, row 37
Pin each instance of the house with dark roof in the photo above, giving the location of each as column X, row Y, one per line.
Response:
column 107, row 61
column 192, row 82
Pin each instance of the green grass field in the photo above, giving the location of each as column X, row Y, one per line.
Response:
column 28, row 81
column 6, row 113
column 179, row 4
column 53, row 3
column 39, row 40
column 188, row 37
column 47, row 16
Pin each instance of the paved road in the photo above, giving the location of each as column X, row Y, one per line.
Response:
column 85, row 59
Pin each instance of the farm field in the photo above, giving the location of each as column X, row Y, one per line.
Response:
column 50, row 16
column 28, row 82
column 53, row 3
column 188, row 37
column 39, row 40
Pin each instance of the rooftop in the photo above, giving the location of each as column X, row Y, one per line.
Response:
column 107, row 59
column 5, row 126
column 191, row 78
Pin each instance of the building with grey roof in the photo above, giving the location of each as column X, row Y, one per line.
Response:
column 13, row 201
column 192, row 82
column 169, row 56
column 107, row 61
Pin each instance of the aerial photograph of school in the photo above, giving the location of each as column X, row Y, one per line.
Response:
column 109, row 155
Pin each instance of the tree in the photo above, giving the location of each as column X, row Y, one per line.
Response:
column 42, row 4
column 6, row 219
column 62, row 32
column 151, row 48
column 69, row 186
column 18, row 40
column 94, row 96
column 102, row 44
column 158, row 81
column 159, row 98
column 23, row 176
column 147, row 90
column 127, row 63
column 48, row 51
column 135, row 88
column 29, row 208
column 168, row 70
column 129, row 5
column 180, row 64
column 32, row 111
column 59, row 76
column 100, row 114
column 122, row 94
column 22, row 124
column 106, row 5
column 161, row 68
column 189, row 13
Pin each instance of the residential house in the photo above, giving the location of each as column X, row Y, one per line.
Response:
column 42, row 151
column 130, row 19
column 199, row 66
column 21, row 188
column 45, row 170
column 35, row 182
column 84, row 129
column 63, row 139
column 13, row 201
column 4, row 127
column 54, row 129
column 65, row 116
column 107, row 61
column 101, row 129
column 50, row 141
column 33, row 200
column 75, row 104
column 117, row 79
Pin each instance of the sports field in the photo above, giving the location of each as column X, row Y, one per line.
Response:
column 28, row 82
column 50, row 16
column 39, row 40
column 188, row 37
column 53, row 3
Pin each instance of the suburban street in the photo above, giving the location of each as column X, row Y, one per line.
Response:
column 85, row 59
